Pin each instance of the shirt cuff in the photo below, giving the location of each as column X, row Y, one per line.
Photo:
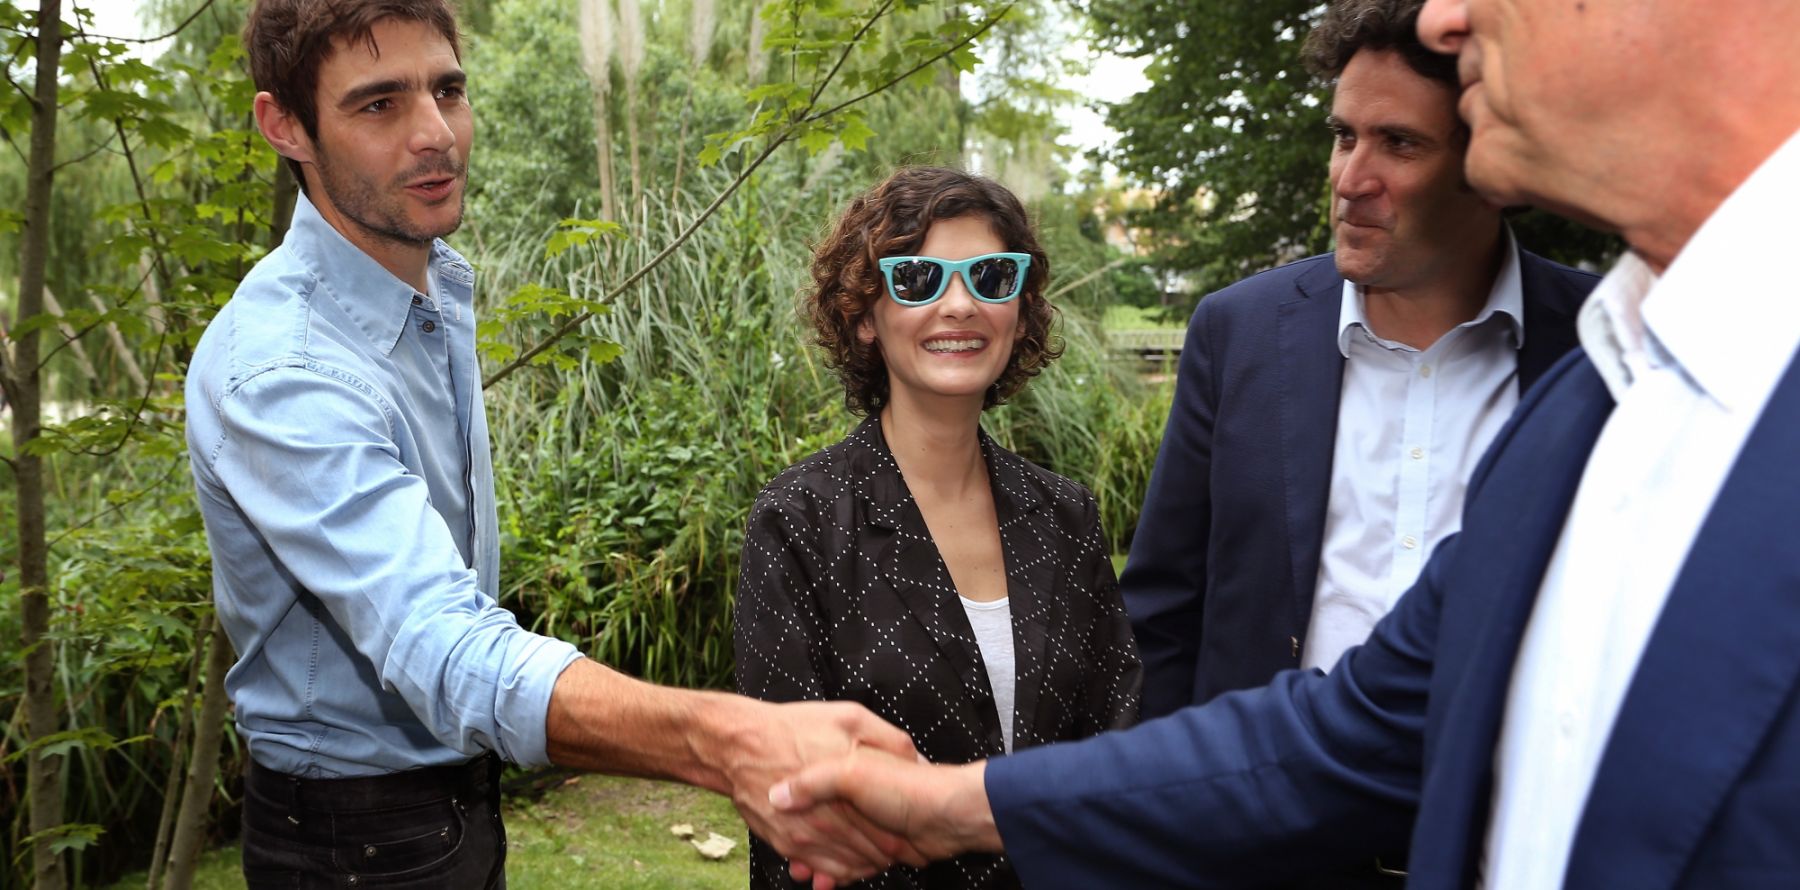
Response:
column 524, row 700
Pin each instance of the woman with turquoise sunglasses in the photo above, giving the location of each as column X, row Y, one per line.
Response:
column 917, row 567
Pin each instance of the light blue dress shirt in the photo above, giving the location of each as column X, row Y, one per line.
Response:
column 340, row 454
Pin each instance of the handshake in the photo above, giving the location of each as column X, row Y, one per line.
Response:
column 845, row 796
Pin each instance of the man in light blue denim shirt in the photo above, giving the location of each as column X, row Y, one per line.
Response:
column 340, row 455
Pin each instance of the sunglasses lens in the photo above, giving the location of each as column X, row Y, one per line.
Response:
column 995, row 279
column 917, row 281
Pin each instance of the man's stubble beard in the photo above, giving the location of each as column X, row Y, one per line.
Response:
column 379, row 214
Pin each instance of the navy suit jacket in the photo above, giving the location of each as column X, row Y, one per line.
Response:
column 1223, row 567
column 1699, row 783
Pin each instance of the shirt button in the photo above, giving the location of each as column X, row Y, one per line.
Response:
column 1424, row 370
column 429, row 326
column 1418, row 453
column 417, row 299
column 1566, row 724
column 1409, row 542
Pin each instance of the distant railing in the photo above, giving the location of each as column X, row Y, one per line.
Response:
column 1152, row 345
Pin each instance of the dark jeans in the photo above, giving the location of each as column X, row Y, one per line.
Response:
column 436, row 828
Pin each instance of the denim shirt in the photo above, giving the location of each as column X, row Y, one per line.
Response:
column 340, row 455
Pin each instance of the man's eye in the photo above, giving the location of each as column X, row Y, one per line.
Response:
column 450, row 93
column 378, row 106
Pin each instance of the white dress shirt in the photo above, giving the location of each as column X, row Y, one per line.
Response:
column 1411, row 425
column 1691, row 360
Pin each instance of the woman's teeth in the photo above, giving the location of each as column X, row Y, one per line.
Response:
column 953, row 345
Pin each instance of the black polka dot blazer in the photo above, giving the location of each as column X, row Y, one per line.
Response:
column 843, row 596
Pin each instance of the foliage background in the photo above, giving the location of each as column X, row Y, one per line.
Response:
column 628, row 459
column 626, row 463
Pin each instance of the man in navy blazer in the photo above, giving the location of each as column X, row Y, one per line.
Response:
column 1322, row 433
column 1596, row 684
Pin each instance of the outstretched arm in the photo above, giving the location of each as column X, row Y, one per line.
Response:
column 943, row 810
column 602, row 720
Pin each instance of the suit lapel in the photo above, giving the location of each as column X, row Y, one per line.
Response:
column 1312, row 373
column 910, row 563
column 1722, row 662
column 1031, row 568
column 1512, row 524
column 1549, row 329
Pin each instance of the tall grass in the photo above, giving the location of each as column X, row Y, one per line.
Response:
column 625, row 486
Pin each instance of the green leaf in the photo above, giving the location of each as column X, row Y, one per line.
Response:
column 62, row 838
column 856, row 133
column 576, row 232
column 815, row 140
column 57, row 744
column 601, row 352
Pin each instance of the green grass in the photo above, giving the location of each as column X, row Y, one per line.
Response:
column 1119, row 317
column 594, row 831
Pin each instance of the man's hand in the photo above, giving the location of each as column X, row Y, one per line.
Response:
column 757, row 744
column 941, row 810
column 602, row 720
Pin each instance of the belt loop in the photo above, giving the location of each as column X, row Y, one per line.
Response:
column 293, row 783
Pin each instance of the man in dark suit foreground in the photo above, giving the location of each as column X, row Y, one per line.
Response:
column 1329, row 412
column 1595, row 683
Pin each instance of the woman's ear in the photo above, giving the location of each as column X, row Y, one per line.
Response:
column 865, row 330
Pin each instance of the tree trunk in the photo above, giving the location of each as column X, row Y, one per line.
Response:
column 25, row 390
column 603, row 155
column 184, row 723
column 203, row 767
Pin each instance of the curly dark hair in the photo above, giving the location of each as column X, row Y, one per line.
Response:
column 891, row 219
column 1350, row 26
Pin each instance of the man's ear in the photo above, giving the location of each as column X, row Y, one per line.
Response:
column 282, row 129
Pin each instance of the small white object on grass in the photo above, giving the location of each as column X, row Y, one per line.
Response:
column 716, row 846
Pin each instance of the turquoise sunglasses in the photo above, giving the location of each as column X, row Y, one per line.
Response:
column 920, row 280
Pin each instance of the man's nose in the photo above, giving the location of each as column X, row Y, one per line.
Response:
column 1357, row 174
column 431, row 129
column 1444, row 25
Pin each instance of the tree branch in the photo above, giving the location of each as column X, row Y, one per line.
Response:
column 781, row 138
column 7, row 69
column 174, row 464
column 985, row 27
column 178, row 29
column 844, row 56
column 567, row 327
column 98, row 148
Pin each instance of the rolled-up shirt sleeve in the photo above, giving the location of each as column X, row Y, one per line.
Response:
column 310, row 456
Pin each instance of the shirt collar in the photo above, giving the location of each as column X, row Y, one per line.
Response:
column 370, row 295
column 1506, row 298
column 1714, row 313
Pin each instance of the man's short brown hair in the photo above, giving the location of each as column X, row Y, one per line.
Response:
column 1350, row 26
column 287, row 41
column 891, row 219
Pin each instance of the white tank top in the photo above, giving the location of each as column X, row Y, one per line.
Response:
column 992, row 623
